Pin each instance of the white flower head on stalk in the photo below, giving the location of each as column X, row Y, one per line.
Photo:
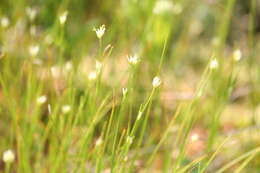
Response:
column 194, row 137
column 31, row 12
column 41, row 99
column 156, row 81
column 124, row 90
column 8, row 156
column 92, row 76
column 213, row 64
column 63, row 17
column 34, row 50
column 133, row 59
column 237, row 55
column 162, row 6
column 100, row 31
column 4, row 22
column 66, row 108
column 99, row 141
column 98, row 66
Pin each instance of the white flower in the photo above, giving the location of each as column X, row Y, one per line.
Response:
column 133, row 59
column 99, row 141
column 162, row 6
column 66, row 108
column 31, row 12
column 8, row 156
column 237, row 55
column 213, row 64
column 34, row 50
column 98, row 66
column 5, row 22
column 100, row 31
column 124, row 90
column 63, row 17
column 129, row 139
column 156, row 81
column 92, row 75
column 194, row 137
column 41, row 99
column 68, row 66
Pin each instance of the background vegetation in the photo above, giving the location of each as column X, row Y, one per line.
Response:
column 73, row 102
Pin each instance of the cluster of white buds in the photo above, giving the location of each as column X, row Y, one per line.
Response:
column 156, row 81
column 63, row 17
column 42, row 99
column 133, row 59
column 34, row 50
column 237, row 55
column 100, row 31
column 8, row 156
column 4, row 22
column 66, row 109
column 213, row 64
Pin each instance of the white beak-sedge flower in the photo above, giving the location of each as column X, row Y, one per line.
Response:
column 156, row 82
column 124, row 90
column 31, row 12
column 92, row 75
column 99, row 141
column 213, row 64
column 133, row 59
column 34, row 50
column 41, row 99
column 63, row 17
column 237, row 55
column 194, row 137
column 4, row 22
column 100, row 31
column 66, row 108
column 8, row 156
